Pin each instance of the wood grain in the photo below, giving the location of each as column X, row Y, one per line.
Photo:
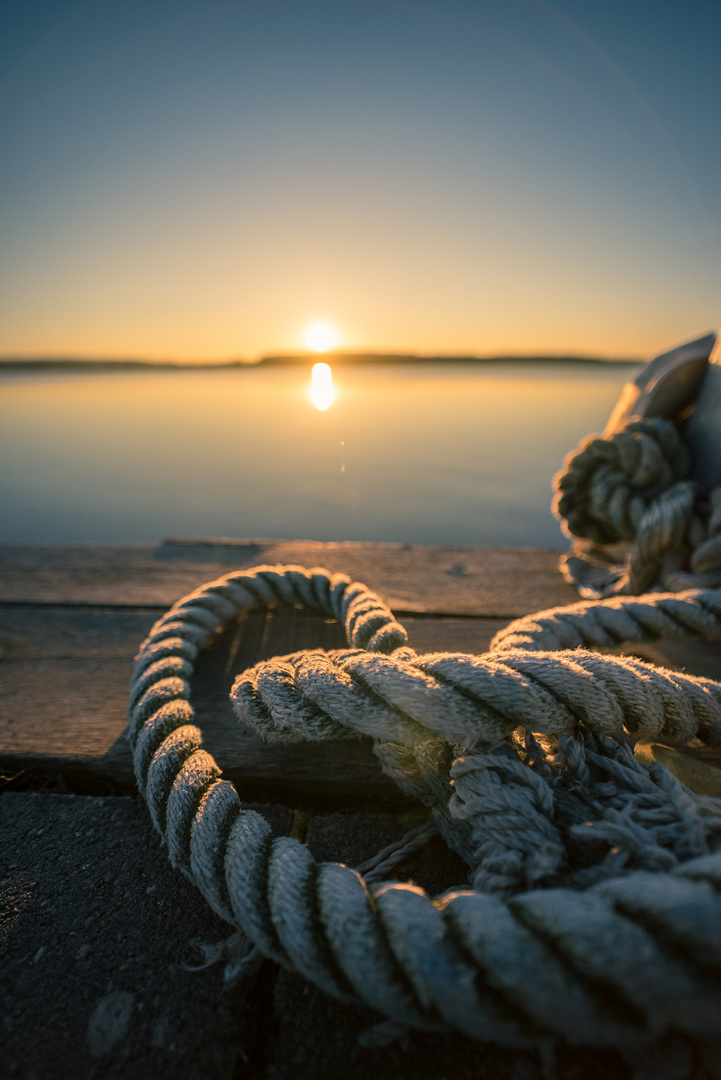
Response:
column 64, row 689
column 68, row 649
column 486, row 582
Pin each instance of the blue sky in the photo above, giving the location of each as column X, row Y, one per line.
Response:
column 203, row 179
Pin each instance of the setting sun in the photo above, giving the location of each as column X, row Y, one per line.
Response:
column 320, row 337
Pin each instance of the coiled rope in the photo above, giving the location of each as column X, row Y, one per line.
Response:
column 646, row 523
column 595, row 908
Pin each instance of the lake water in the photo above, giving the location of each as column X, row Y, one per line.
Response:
column 442, row 453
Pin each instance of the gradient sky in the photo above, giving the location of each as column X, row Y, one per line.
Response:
column 200, row 179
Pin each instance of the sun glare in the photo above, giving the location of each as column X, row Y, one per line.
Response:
column 320, row 337
column 321, row 388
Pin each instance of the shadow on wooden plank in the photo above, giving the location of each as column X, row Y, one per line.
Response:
column 65, row 686
column 65, row 682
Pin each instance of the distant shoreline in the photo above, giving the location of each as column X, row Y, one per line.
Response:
column 75, row 364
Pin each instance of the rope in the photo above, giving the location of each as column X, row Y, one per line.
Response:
column 594, row 912
column 645, row 523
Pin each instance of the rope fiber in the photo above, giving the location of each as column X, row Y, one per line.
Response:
column 641, row 522
column 593, row 909
column 592, row 912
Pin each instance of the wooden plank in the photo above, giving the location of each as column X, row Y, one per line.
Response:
column 486, row 582
column 84, row 633
column 65, row 633
column 64, row 685
column 64, row 688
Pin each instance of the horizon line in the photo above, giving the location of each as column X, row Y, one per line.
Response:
column 331, row 356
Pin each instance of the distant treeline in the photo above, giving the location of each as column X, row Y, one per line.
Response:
column 72, row 363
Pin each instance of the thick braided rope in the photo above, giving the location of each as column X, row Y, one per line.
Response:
column 632, row 489
column 597, row 624
column 624, row 961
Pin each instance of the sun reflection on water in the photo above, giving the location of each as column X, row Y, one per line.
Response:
column 321, row 387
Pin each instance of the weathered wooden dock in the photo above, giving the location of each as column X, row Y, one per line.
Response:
column 94, row 924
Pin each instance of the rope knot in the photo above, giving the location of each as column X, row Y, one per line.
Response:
column 607, row 485
column 521, row 757
column 640, row 521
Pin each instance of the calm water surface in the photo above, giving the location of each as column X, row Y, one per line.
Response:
column 435, row 453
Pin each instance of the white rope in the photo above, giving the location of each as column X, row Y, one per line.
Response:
column 641, row 521
column 595, row 911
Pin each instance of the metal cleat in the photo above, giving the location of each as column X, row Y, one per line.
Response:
column 667, row 386
column 703, row 429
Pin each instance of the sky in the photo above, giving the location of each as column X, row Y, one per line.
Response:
column 202, row 179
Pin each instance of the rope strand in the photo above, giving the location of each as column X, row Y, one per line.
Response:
column 640, row 521
column 595, row 911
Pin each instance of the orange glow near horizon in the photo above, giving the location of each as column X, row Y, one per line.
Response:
column 498, row 187
column 204, row 324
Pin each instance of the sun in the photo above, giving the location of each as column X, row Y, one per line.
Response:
column 320, row 337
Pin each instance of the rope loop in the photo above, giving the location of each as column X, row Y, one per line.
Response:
column 593, row 908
